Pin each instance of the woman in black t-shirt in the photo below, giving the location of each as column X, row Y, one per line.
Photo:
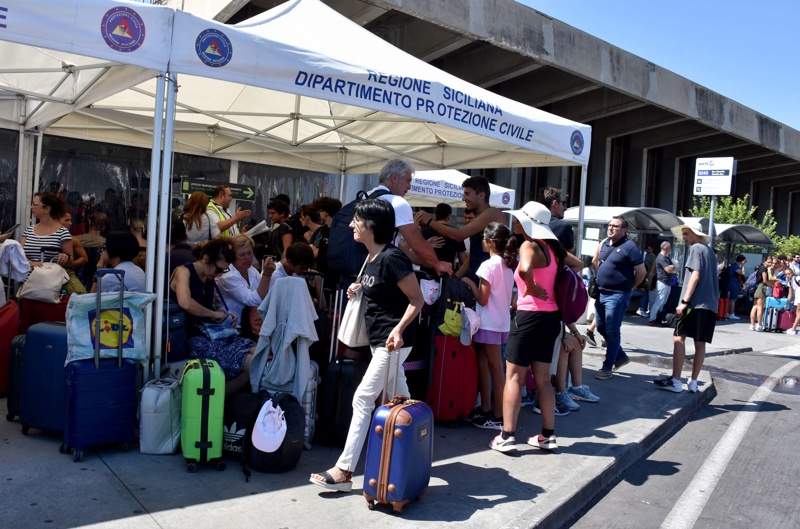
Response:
column 394, row 300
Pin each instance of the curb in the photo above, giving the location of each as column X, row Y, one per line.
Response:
column 593, row 489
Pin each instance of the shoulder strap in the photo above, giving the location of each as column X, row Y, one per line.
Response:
column 379, row 193
column 610, row 249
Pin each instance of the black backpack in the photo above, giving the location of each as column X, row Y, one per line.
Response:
column 345, row 255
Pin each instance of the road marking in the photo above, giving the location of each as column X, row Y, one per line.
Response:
column 687, row 509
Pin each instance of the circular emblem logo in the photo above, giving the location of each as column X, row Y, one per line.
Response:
column 109, row 328
column 213, row 48
column 122, row 29
column 506, row 198
column 576, row 142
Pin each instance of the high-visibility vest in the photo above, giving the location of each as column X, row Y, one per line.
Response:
column 233, row 230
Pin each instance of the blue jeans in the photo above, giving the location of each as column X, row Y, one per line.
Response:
column 610, row 310
column 663, row 295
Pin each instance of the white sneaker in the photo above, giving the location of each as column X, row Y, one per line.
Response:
column 795, row 332
column 759, row 328
column 641, row 313
column 733, row 317
column 692, row 386
column 752, row 327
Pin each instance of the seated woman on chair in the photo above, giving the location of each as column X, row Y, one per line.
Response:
column 119, row 252
column 193, row 287
column 243, row 286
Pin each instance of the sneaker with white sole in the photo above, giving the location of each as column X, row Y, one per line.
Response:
column 563, row 399
column 545, row 443
column 752, row 327
column 640, row 312
column 692, row 386
column 503, row 445
column 669, row 384
column 733, row 317
column 759, row 328
column 583, row 394
column 790, row 331
column 489, row 423
column 603, row 374
column 561, row 410
column 590, row 339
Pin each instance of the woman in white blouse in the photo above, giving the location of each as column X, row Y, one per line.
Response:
column 243, row 285
column 199, row 227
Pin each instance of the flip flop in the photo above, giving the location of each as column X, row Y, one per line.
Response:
column 331, row 484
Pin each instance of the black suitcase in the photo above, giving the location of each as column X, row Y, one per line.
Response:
column 335, row 402
column 15, row 376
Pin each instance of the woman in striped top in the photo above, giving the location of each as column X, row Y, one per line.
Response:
column 47, row 232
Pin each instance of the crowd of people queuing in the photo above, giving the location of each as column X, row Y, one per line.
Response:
column 218, row 274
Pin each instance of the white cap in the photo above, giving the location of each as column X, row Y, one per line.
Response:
column 269, row 429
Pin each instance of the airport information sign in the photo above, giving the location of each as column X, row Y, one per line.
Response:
column 713, row 176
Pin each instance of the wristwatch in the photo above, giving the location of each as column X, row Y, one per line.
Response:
column 427, row 224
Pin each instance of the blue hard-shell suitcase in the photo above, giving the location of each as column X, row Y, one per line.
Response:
column 399, row 453
column 101, row 395
column 41, row 399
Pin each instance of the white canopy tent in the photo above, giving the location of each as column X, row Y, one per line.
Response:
column 299, row 86
column 429, row 188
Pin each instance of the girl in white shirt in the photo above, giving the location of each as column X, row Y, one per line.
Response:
column 494, row 307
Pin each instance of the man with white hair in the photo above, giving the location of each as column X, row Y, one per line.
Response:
column 697, row 310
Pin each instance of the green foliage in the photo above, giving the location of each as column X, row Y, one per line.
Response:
column 787, row 245
column 730, row 211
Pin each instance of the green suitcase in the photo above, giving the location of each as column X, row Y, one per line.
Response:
column 202, row 411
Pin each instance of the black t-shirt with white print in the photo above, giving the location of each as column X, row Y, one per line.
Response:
column 386, row 302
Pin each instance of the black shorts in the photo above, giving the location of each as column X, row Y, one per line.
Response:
column 532, row 338
column 698, row 324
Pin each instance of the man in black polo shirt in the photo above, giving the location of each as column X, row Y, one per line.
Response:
column 620, row 266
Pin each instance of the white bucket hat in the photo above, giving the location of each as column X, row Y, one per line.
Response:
column 470, row 323
column 676, row 231
column 269, row 429
column 535, row 220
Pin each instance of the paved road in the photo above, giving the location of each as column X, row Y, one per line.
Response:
column 733, row 465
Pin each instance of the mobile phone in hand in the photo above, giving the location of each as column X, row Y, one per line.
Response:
column 12, row 228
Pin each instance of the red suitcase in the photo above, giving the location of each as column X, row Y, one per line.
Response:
column 785, row 320
column 9, row 327
column 722, row 309
column 455, row 379
column 33, row 312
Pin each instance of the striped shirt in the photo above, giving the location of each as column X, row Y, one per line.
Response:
column 34, row 244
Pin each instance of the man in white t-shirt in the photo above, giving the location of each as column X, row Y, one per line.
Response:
column 396, row 178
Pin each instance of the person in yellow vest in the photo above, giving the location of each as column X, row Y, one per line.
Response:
column 218, row 211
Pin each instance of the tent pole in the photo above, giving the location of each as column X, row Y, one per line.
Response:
column 152, row 275
column 342, row 169
column 581, row 212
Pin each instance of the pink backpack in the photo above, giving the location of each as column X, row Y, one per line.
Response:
column 571, row 295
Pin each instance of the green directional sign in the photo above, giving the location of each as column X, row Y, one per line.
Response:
column 241, row 193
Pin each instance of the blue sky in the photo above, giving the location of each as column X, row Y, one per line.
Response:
column 748, row 51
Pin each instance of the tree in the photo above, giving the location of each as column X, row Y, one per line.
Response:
column 730, row 211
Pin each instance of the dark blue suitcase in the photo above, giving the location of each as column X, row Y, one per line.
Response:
column 399, row 453
column 101, row 395
column 41, row 399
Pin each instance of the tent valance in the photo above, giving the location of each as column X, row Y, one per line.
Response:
column 429, row 188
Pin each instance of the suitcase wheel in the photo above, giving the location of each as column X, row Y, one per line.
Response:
column 25, row 429
column 10, row 417
column 370, row 505
column 220, row 465
column 77, row 456
column 191, row 466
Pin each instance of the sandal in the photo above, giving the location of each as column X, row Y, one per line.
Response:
column 331, row 484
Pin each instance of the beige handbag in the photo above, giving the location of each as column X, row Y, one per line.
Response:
column 353, row 328
column 44, row 283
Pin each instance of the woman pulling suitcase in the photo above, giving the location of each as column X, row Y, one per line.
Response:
column 394, row 300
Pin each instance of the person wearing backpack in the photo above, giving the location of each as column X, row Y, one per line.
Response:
column 735, row 284
column 760, row 295
column 346, row 255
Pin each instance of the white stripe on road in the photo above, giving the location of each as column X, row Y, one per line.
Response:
column 691, row 503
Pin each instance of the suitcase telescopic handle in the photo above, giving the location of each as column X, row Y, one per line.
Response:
column 396, row 355
column 99, row 274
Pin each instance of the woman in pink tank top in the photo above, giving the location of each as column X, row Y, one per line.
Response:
column 535, row 327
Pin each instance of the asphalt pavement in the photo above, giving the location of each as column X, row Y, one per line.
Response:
column 471, row 485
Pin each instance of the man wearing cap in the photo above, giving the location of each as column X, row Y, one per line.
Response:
column 552, row 199
column 697, row 310
column 620, row 266
column 218, row 211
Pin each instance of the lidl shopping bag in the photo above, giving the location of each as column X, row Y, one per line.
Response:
column 81, row 316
